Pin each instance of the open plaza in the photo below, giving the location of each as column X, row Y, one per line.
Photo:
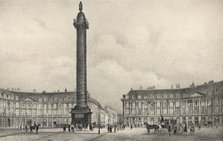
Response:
column 135, row 134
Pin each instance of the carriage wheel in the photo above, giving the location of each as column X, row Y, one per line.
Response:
column 163, row 131
column 180, row 130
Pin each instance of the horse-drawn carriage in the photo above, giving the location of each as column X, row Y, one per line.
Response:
column 170, row 126
column 167, row 126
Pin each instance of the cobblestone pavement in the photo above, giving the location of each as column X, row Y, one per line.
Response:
column 140, row 134
column 9, row 131
column 54, row 134
column 136, row 134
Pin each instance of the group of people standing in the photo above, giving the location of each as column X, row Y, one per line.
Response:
column 70, row 128
column 30, row 128
column 178, row 128
column 110, row 127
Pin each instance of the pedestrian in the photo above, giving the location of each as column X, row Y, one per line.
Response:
column 192, row 129
column 69, row 128
column 131, row 126
column 72, row 128
column 37, row 128
column 34, row 125
column 108, row 128
column 26, row 128
column 169, row 129
column 115, row 128
column 175, row 130
column 64, row 128
column 185, row 129
column 162, row 120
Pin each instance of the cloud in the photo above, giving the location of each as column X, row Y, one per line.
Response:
column 129, row 44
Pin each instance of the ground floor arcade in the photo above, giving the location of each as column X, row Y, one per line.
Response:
column 209, row 121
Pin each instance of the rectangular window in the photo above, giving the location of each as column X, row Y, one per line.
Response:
column 183, row 103
column 158, row 111
column 189, row 103
column 203, row 103
column 17, row 112
column 164, row 111
column 158, row 104
column 23, row 112
column 17, row 105
column 184, row 111
column 164, row 105
column 177, row 104
column 134, row 111
column 29, row 105
column 34, row 113
column 140, row 105
column 177, row 111
column 139, row 111
column 171, row 111
column 49, row 111
column 34, row 106
column 133, row 104
column 145, row 105
column 203, row 110
column 195, row 103
column 152, row 111
column 40, row 106
column 171, row 104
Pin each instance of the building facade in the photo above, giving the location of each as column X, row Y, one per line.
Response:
column 201, row 105
column 49, row 109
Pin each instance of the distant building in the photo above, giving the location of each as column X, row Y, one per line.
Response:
column 201, row 104
column 49, row 109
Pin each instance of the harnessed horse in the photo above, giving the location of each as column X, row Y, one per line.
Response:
column 157, row 127
column 34, row 127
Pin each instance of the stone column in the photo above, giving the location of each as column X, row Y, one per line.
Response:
column 81, row 113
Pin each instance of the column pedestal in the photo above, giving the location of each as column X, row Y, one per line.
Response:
column 81, row 115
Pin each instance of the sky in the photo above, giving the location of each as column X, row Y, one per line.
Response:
column 130, row 44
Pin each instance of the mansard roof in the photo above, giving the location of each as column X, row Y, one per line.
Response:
column 35, row 96
column 214, row 88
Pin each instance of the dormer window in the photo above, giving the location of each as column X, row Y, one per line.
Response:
column 195, row 103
